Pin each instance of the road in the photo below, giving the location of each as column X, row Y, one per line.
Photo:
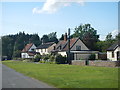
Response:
column 13, row 79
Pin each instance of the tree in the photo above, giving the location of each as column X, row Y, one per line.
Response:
column 53, row 37
column 87, row 34
column 62, row 37
column 117, row 36
column 35, row 39
column 109, row 37
column 12, row 45
column 104, row 45
column 45, row 39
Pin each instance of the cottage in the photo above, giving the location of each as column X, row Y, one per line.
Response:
column 78, row 49
column 28, row 51
column 113, row 52
column 45, row 48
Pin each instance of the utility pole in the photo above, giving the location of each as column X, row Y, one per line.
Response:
column 69, row 59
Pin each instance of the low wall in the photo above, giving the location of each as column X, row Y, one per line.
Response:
column 97, row 63
column 78, row 62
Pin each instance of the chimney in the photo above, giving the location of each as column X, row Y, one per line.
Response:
column 65, row 37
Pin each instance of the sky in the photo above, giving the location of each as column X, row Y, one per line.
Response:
column 52, row 16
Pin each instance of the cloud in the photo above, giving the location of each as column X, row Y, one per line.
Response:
column 115, row 32
column 52, row 6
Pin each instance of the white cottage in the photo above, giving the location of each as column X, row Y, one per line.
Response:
column 113, row 52
column 45, row 48
column 28, row 51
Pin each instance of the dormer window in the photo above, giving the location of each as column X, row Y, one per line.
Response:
column 78, row 48
column 32, row 49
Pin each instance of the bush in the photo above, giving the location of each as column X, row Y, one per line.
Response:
column 37, row 58
column 45, row 57
column 52, row 58
column 91, row 57
column 42, row 61
column 60, row 59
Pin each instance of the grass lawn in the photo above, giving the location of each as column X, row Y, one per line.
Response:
column 68, row 76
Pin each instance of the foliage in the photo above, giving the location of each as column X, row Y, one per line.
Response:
column 91, row 57
column 17, row 54
column 13, row 44
column 37, row 58
column 102, row 46
column 42, row 61
column 117, row 36
column 62, row 37
column 87, row 34
column 45, row 57
column 60, row 59
column 53, row 37
column 69, row 76
column 52, row 58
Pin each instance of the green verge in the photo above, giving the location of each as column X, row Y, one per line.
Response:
column 68, row 76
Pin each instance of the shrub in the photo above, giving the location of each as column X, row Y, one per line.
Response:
column 45, row 57
column 37, row 58
column 52, row 58
column 42, row 61
column 60, row 59
column 91, row 57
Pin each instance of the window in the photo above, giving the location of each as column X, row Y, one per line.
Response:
column 41, row 50
column 45, row 50
column 112, row 54
column 32, row 49
column 78, row 48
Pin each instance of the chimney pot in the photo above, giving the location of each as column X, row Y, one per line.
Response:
column 65, row 37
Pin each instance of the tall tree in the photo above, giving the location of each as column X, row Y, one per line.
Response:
column 87, row 34
column 53, row 37
column 45, row 39
column 13, row 44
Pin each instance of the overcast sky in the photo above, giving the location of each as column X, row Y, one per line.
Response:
column 51, row 16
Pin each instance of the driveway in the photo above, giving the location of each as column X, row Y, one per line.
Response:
column 13, row 79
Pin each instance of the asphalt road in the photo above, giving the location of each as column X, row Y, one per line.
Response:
column 13, row 79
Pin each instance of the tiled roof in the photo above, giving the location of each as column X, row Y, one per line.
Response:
column 27, row 47
column 45, row 45
column 72, row 42
column 63, row 45
column 114, row 46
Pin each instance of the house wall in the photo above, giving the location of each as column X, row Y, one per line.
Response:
column 109, row 54
column 25, row 55
column 32, row 47
column 42, row 51
column 63, row 53
column 46, row 51
column 79, row 42
column 78, row 56
column 51, row 48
